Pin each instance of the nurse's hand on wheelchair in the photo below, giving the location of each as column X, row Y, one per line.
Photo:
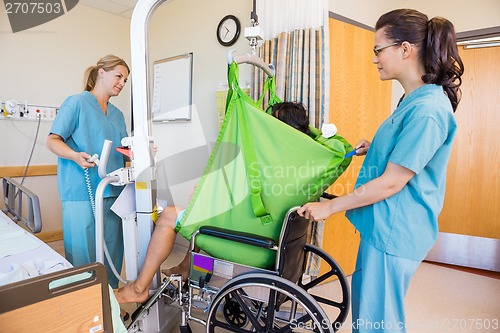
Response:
column 316, row 211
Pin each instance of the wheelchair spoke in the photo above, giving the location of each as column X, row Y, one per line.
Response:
column 220, row 324
column 290, row 327
column 327, row 301
column 246, row 309
column 342, row 304
column 269, row 322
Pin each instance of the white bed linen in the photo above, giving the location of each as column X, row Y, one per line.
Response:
column 27, row 256
column 22, row 255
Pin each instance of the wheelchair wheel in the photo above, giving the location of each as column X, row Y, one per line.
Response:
column 258, row 295
column 233, row 313
column 338, row 303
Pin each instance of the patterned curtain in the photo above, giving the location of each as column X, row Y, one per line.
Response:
column 301, row 59
column 298, row 48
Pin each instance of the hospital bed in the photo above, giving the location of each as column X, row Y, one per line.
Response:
column 23, row 256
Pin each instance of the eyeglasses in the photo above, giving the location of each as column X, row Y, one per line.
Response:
column 377, row 49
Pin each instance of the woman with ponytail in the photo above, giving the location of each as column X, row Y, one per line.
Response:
column 399, row 192
column 82, row 124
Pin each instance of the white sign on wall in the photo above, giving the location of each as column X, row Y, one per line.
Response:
column 172, row 89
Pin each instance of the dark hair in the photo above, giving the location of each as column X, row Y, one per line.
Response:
column 107, row 63
column 293, row 114
column 437, row 45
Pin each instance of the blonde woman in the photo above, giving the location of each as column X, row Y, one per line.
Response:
column 82, row 124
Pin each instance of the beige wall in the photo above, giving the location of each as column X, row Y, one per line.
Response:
column 179, row 27
column 466, row 15
column 44, row 65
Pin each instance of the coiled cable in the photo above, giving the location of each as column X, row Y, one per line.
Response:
column 89, row 190
column 92, row 203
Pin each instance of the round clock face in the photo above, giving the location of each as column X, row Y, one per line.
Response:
column 228, row 30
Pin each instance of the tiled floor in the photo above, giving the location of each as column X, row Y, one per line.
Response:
column 440, row 299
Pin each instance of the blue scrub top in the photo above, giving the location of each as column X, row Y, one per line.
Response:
column 83, row 125
column 417, row 136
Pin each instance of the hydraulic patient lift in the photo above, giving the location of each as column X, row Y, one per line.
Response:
column 244, row 299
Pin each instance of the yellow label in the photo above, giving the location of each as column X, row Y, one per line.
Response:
column 154, row 214
column 141, row 185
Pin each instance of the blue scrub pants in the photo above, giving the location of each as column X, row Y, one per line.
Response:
column 379, row 285
column 79, row 235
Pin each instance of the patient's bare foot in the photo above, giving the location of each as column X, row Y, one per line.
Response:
column 130, row 294
column 179, row 269
column 182, row 268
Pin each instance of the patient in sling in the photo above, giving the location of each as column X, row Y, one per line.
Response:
column 164, row 234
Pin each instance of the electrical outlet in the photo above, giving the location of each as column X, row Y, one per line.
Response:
column 34, row 112
column 51, row 113
column 43, row 112
column 31, row 112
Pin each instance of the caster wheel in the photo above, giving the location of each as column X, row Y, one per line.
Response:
column 234, row 314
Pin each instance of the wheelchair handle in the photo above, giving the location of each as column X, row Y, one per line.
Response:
column 328, row 196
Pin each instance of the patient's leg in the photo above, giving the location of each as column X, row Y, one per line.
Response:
column 159, row 248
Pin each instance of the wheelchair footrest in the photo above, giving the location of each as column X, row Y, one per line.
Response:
column 167, row 289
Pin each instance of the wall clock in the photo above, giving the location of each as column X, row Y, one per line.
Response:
column 228, row 30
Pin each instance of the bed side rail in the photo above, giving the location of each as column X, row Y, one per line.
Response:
column 16, row 196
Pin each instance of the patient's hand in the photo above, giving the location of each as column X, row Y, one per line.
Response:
column 362, row 147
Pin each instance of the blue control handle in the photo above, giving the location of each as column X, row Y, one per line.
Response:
column 350, row 154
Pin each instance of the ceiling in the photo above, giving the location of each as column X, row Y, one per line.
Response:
column 118, row 7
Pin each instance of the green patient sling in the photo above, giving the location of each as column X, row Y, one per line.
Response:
column 259, row 168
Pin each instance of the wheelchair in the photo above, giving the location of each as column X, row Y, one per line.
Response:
column 227, row 296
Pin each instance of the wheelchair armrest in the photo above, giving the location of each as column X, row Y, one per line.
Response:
column 328, row 196
column 237, row 236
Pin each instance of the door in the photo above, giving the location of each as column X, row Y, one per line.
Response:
column 472, row 200
column 359, row 102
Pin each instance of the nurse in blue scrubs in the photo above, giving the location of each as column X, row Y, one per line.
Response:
column 400, row 189
column 83, row 123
